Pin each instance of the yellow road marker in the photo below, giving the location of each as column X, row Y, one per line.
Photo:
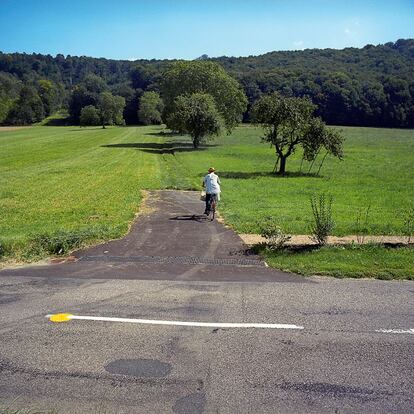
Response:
column 60, row 317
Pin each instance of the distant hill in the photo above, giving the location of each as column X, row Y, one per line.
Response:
column 371, row 86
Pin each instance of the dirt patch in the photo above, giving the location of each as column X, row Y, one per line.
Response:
column 304, row 240
column 12, row 128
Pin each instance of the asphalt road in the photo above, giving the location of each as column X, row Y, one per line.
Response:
column 353, row 355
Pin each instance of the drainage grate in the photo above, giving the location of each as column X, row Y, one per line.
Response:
column 191, row 260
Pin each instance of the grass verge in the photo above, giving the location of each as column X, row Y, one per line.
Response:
column 354, row 261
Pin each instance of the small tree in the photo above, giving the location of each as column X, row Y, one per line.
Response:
column 197, row 116
column 110, row 109
column 289, row 122
column 150, row 108
column 89, row 116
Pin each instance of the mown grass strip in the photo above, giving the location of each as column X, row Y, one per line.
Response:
column 355, row 261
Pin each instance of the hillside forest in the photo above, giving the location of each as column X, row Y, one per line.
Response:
column 370, row 86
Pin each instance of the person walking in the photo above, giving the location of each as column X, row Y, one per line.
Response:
column 211, row 183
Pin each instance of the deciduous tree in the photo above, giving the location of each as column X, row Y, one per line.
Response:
column 290, row 122
column 27, row 109
column 89, row 116
column 205, row 77
column 150, row 108
column 197, row 116
column 110, row 109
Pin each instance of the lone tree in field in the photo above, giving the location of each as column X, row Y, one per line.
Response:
column 110, row 109
column 187, row 78
column 150, row 108
column 289, row 123
column 197, row 116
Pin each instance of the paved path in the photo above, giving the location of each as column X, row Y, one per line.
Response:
column 353, row 355
column 172, row 242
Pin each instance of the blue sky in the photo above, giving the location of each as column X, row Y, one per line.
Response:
column 131, row 29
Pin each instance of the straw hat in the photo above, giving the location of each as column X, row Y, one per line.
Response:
column 211, row 169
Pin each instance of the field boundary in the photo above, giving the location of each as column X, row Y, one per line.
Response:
column 305, row 240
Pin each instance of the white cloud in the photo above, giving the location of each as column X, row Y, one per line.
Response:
column 132, row 58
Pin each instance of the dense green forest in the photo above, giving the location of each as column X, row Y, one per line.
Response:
column 371, row 86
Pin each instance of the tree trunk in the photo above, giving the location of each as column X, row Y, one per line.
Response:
column 323, row 160
column 196, row 142
column 276, row 164
column 282, row 168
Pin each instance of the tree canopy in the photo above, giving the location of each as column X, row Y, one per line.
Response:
column 89, row 116
column 110, row 109
column 150, row 108
column 27, row 109
column 369, row 86
column 197, row 115
column 186, row 78
column 290, row 122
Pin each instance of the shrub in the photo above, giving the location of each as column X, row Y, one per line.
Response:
column 274, row 235
column 323, row 222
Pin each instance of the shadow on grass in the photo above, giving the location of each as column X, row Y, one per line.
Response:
column 291, row 249
column 85, row 129
column 164, row 134
column 160, row 148
column 246, row 175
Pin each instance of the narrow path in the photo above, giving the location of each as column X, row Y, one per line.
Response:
column 174, row 241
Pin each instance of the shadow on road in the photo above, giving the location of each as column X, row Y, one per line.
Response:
column 193, row 217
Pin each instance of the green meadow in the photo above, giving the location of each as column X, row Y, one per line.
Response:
column 377, row 172
column 71, row 178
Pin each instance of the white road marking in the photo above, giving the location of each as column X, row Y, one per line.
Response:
column 182, row 323
column 398, row 331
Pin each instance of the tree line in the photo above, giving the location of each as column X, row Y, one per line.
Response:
column 202, row 100
column 371, row 86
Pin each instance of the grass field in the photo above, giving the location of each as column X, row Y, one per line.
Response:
column 377, row 171
column 65, row 178
column 75, row 178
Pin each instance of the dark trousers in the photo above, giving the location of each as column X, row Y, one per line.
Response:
column 209, row 199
